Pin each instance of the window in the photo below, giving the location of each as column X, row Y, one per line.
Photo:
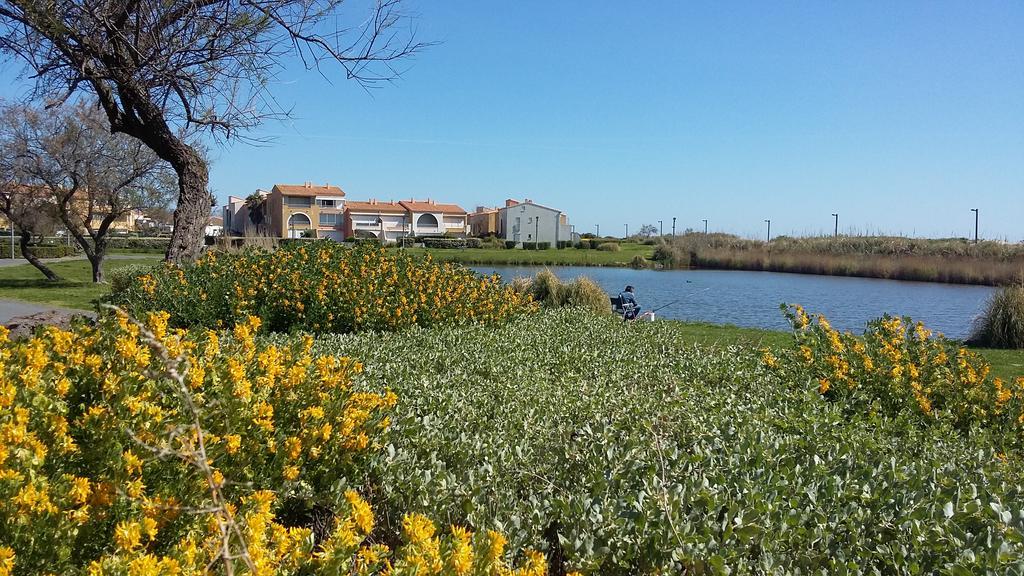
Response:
column 529, row 220
column 297, row 202
column 427, row 221
column 328, row 218
column 298, row 221
column 326, row 203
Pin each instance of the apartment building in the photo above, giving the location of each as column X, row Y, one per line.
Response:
column 306, row 210
column 389, row 221
column 528, row 221
column 483, row 222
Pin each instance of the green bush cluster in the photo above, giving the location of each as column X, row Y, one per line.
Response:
column 444, row 242
column 648, row 454
column 609, row 246
column 42, row 251
column 138, row 244
column 536, row 245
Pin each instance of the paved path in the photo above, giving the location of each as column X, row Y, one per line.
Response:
column 17, row 309
column 5, row 262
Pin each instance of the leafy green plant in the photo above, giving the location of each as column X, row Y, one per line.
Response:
column 659, row 456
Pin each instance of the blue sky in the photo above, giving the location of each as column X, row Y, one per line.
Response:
column 901, row 117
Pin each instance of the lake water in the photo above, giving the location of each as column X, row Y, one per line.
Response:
column 752, row 298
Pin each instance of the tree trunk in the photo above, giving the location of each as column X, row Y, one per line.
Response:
column 96, row 260
column 193, row 210
column 26, row 252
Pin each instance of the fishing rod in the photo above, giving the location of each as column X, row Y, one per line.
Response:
column 680, row 300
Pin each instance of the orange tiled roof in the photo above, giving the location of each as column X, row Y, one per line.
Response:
column 374, row 207
column 430, row 206
column 308, row 190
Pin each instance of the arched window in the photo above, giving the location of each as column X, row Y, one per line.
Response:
column 427, row 221
column 299, row 220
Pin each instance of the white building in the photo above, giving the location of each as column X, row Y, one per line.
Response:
column 529, row 222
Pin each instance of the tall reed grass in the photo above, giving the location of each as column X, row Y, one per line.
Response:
column 950, row 260
column 550, row 292
column 1002, row 324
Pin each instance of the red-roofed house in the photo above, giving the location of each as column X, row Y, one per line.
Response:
column 298, row 210
column 389, row 221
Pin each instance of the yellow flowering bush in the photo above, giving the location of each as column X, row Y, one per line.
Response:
column 141, row 450
column 900, row 365
column 321, row 286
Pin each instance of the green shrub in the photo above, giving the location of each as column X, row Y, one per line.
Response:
column 546, row 289
column 139, row 244
column 609, row 246
column 444, row 242
column 648, row 454
column 320, row 286
column 638, row 262
column 510, row 244
column 122, row 277
column 474, row 243
column 1002, row 323
column 42, row 251
column 563, row 244
column 583, row 245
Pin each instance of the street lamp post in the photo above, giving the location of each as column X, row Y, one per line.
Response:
column 536, row 232
column 769, row 222
column 673, row 225
column 661, row 228
column 705, row 226
column 627, row 232
column 975, row 210
column 598, row 226
column 836, row 233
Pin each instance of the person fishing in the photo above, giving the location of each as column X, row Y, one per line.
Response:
column 629, row 303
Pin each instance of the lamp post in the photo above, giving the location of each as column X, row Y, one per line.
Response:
column 661, row 228
column 627, row 232
column 673, row 225
column 598, row 226
column 536, row 232
column 836, row 233
column 705, row 226
column 769, row 222
column 975, row 210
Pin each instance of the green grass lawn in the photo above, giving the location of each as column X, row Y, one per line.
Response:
column 550, row 257
column 75, row 291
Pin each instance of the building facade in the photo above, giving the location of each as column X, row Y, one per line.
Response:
column 527, row 221
column 483, row 222
column 306, row 210
column 389, row 221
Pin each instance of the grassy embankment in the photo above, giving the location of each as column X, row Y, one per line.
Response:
column 953, row 260
column 76, row 290
column 550, row 257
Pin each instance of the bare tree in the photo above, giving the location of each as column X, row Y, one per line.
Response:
column 648, row 230
column 92, row 178
column 29, row 210
column 162, row 69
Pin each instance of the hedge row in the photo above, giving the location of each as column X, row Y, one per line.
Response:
column 58, row 251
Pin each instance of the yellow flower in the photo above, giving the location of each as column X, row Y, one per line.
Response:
column 362, row 514
column 128, row 535
column 6, row 554
column 232, row 442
